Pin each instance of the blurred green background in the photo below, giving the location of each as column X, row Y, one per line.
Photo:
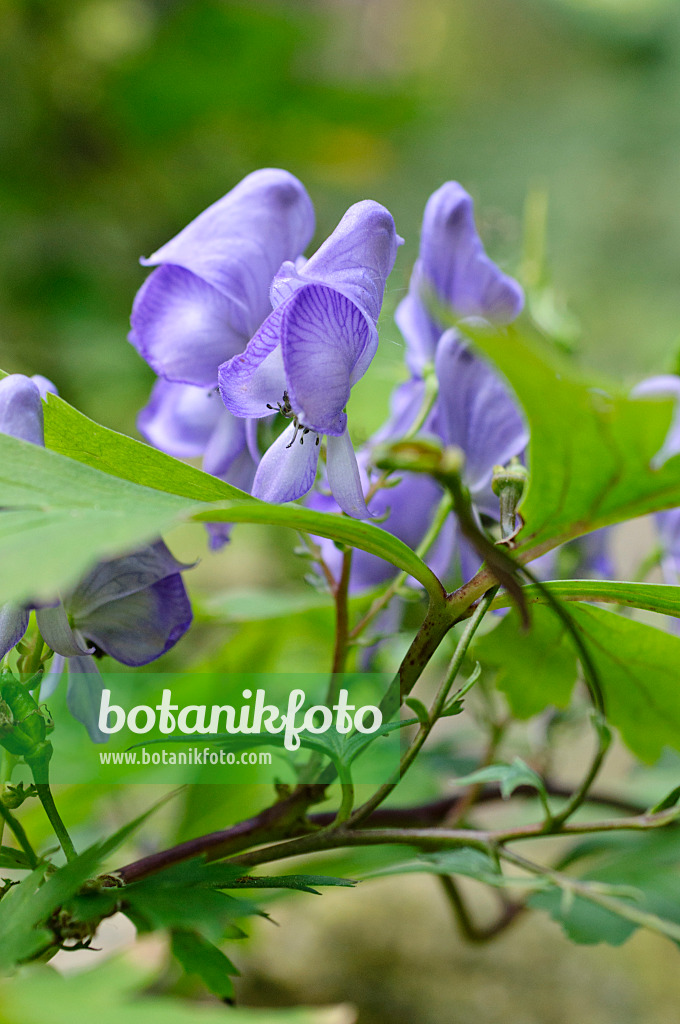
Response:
column 120, row 120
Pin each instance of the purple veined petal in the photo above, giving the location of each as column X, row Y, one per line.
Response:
column 288, row 467
column 453, row 262
column 180, row 419
column 254, row 380
column 119, row 577
column 343, row 476
column 355, row 260
column 21, row 411
column 476, row 411
column 142, row 626
column 44, row 386
column 13, row 625
column 52, row 678
column 663, row 386
column 420, row 332
column 57, row 633
column 184, row 327
column 325, row 341
column 84, row 695
column 470, row 561
column 239, row 242
column 226, row 444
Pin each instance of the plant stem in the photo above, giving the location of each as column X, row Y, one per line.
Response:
column 47, row 800
column 435, row 712
column 472, row 931
column 341, row 624
column 19, row 834
column 441, row 515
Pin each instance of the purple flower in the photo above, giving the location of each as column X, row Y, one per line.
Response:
column 133, row 608
column 474, row 409
column 453, row 269
column 667, row 523
column 210, row 291
column 315, row 345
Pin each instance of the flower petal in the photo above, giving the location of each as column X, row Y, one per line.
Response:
column 355, row 260
column 453, row 267
column 180, row 419
column 44, row 386
column 57, row 633
column 13, row 625
column 184, row 327
column 84, row 695
column 288, row 467
column 476, row 411
column 52, row 678
column 119, row 577
column 239, row 242
column 663, row 386
column 324, row 337
column 251, row 382
column 21, row 412
column 454, row 263
column 143, row 625
column 343, row 476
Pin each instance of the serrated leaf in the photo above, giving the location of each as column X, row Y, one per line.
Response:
column 592, row 450
column 302, row 883
column 510, row 776
column 198, row 956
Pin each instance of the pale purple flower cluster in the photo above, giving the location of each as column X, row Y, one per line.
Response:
column 233, row 304
column 133, row 608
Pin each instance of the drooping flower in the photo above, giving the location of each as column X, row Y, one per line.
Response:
column 315, row 345
column 207, row 296
column 134, row 608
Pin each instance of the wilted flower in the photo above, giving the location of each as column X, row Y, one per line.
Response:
column 304, row 360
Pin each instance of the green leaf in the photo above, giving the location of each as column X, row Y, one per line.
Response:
column 61, row 516
column 70, row 433
column 510, row 776
column 419, row 709
column 638, row 667
column 65, row 515
column 467, row 861
column 592, row 448
column 302, row 883
column 11, row 858
column 107, row 995
column 653, row 597
column 198, row 956
column 646, row 864
column 537, row 668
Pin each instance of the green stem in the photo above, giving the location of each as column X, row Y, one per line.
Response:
column 19, row 834
column 47, row 800
column 435, row 711
column 641, row 918
column 603, row 742
column 441, row 515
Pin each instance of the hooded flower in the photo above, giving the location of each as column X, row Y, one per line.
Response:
column 207, row 297
column 315, row 345
column 209, row 292
column 133, row 608
column 452, row 269
column 474, row 409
